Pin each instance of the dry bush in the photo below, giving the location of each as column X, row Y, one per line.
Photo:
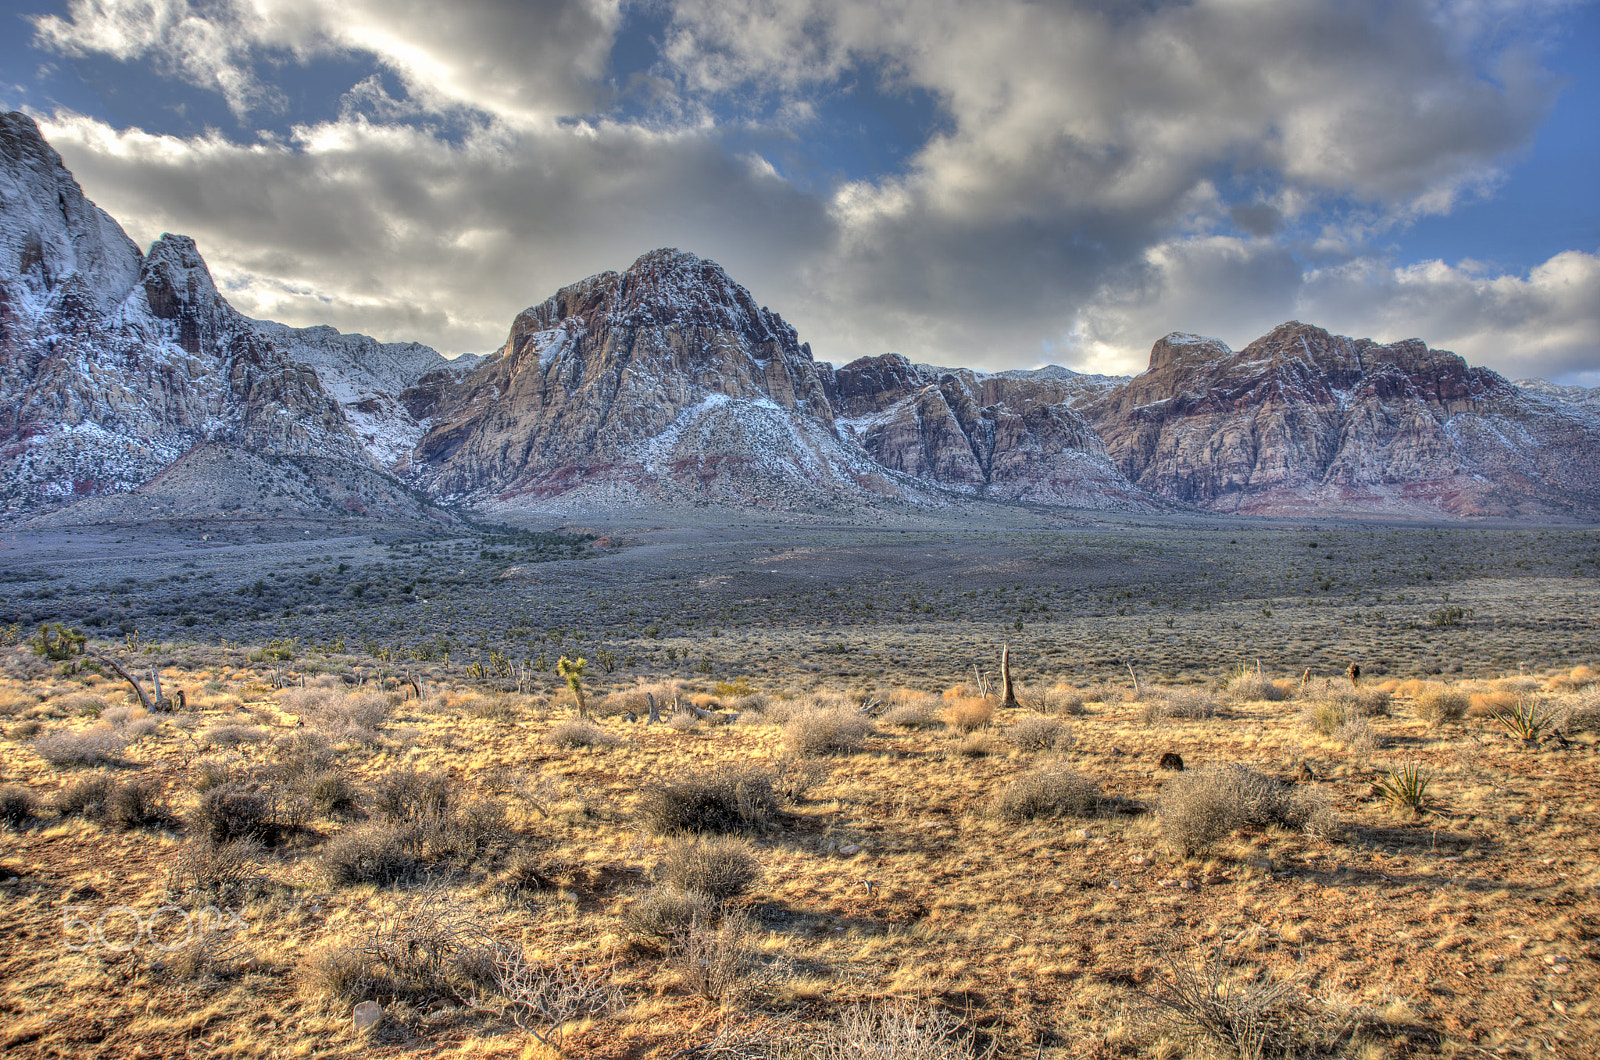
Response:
column 726, row 799
column 127, row 804
column 960, row 691
column 828, row 731
column 351, row 718
column 333, row 972
column 1574, row 680
column 911, row 716
column 228, row 736
column 245, row 809
column 85, row 747
column 1358, row 735
column 1581, row 712
column 302, row 755
column 967, row 714
column 527, row 873
column 578, row 733
column 17, row 806
column 1036, row 733
column 1046, row 792
column 1064, row 699
column 1249, row 1015
column 13, row 702
column 212, row 952
column 407, row 795
column 1487, row 704
column 894, row 1030
column 1437, row 705
column 538, row 998
column 1199, row 807
column 715, row 866
column 208, row 773
column 333, row 794
column 793, row 777
column 82, row 704
column 1252, row 686
column 24, row 730
column 662, row 914
column 380, row 854
column 718, row 960
column 221, row 872
column 976, row 745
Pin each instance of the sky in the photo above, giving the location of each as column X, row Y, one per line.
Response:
column 984, row 183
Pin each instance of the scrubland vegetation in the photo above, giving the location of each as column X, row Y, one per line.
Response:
column 1246, row 864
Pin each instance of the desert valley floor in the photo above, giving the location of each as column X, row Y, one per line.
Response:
column 838, row 839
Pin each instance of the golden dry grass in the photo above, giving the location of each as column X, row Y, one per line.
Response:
column 1468, row 931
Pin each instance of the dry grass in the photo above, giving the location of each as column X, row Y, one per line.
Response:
column 964, row 714
column 1031, row 905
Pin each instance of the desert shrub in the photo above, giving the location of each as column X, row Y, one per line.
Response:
column 375, row 853
column 718, row 959
column 716, row 866
column 244, row 810
column 528, row 872
column 1485, row 704
column 229, row 736
column 911, row 716
column 208, row 773
column 1576, row 679
column 303, row 754
column 353, row 718
column 136, row 803
column 82, row 704
column 24, row 730
column 1581, row 712
column 1199, row 807
column 726, row 799
column 663, row 914
column 793, row 777
column 1358, row 735
column 976, row 745
column 333, row 972
column 893, row 1030
column 406, row 794
column 87, row 747
column 967, row 714
column 1405, row 787
column 333, row 794
column 211, row 952
column 1251, row 686
column 464, row 833
column 540, row 998
column 1437, row 705
column 17, row 805
column 836, row 731
column 13, row 702
column 86, row 798
column 683, row 721
column 1249, row 1016
column 1063, row 699
column 578, row 733
column 1036, row 733
column 1046, row 792
column 223, row 872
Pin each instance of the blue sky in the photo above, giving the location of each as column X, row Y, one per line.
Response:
column 992, row 183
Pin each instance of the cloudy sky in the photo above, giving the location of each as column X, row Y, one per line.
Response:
column 994, row 183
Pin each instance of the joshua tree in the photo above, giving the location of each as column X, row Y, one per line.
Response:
column 58, row 643
column 573, row 672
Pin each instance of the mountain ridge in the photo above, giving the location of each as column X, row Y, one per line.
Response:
column 667, row 383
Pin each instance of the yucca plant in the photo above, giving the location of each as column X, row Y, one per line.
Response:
column 1525, row 721
column 1405, row 786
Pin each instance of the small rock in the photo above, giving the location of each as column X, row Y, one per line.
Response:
column 1559, row 1007
column 1559, row 969
column 1264, row 864
column 849, row 848
column 1137, row 860
column 365, row 1016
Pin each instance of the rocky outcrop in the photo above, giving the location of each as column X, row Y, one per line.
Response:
column 113, row 363
column 1012, row 436
column 1301, row 421
column 665, row 381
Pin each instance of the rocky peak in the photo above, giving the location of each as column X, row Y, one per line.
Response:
column 59, row 252
column 1180, row 347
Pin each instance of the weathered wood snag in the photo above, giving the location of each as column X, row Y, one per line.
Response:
column 1010, row 699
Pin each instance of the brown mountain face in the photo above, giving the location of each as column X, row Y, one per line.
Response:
column 1301, row 421
column 1010, row 436
column 666, row 378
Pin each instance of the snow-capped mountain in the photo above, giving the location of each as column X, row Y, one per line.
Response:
column 128, row 377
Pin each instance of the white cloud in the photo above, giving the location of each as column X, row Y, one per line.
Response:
column 521, row 61
column 1078, row 198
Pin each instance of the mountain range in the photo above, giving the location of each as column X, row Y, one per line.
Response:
column 130, row 388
